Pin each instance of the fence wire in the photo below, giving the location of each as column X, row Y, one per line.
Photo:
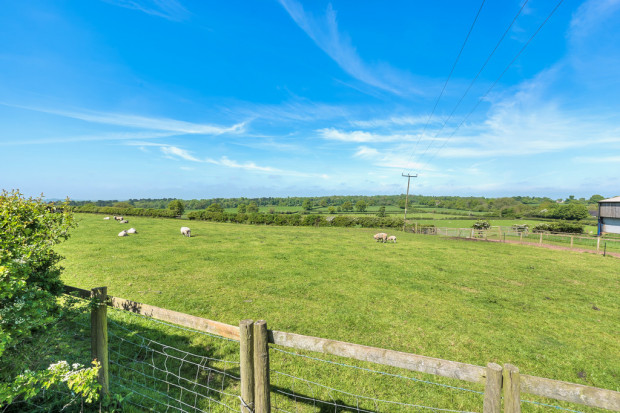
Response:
column 171, row 371
column 303, row 383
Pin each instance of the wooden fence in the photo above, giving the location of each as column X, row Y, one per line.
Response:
column 509, row 234
column 254, row 338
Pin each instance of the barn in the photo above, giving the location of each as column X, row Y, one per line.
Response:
column 609, row 216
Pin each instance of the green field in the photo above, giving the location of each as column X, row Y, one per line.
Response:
column 553, row 314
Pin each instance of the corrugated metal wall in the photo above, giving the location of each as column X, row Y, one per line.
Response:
column 610, row 209
column 611, row 225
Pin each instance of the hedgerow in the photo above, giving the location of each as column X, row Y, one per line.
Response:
column 562, row 226
column 140, row 212
column 310, row 220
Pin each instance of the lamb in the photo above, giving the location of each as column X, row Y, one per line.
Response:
column 106, row 218
column 123, row 233
column 392, row 238
column 124, row 221
column 382, row 236
column 132, row 231
column 186, row 231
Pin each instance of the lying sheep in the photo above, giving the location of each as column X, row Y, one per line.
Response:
column 392, row 238
column 186, row 231
column 132, row 231
column 124, row 221
column 382, row 236
column 118, row 218
column 123, row 233
column 106, row 218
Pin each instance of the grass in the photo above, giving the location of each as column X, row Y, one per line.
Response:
column 553, row 314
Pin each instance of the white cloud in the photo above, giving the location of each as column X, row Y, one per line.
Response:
column 368, row 137
column 119, row 136
column 172, row 151
column 140, row 122
column 168, row 9
column 326, row 35
column 391, row 121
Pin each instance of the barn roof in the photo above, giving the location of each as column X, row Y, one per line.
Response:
column 614, row 199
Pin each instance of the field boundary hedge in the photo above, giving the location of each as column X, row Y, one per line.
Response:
column 140, row 212
column 298, row 219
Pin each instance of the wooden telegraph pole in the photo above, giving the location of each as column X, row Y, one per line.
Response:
column 407, row 198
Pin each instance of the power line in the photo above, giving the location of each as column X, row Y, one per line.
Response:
column 497, row 80
column 448, row 79
column 474, row 79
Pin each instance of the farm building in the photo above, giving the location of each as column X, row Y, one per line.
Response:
column 609, row 216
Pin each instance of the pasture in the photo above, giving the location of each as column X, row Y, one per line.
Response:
column 553, row 314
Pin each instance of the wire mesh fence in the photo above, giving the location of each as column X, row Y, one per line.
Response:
column 304, row 382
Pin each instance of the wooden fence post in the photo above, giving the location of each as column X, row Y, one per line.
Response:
column 512, row 389
column 493, row 389
column 246, row 342
column 262, row 395
column 598, row 244
column 99, row 336
column 571, row 241
column 541, row 236
column 521, row 237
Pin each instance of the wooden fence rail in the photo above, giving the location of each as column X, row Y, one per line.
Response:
column 255, row 360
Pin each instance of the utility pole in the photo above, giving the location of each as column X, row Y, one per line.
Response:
column 407, row 198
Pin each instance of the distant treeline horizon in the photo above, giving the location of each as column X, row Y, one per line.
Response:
column 516, row 205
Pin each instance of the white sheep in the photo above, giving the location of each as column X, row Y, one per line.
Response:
column 132, row 231
column 123, row 233
column 124, row 221
column 186, row 231
column 392, row 238
column 382, row 236
column 118, row 218
column 106, row 218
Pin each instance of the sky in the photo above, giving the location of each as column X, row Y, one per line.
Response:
column 119, row 99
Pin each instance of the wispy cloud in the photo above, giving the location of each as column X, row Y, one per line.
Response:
column 359, row 136
column 119, row 136
column 167, row 9
column 174, row 152
column 326, row 35
column 391, row 121
column 139, row 122
column 391, row 158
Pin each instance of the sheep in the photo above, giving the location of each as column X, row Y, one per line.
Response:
column 106, row 218
column 132, row 231
column 123, row 233
column 118, row 218
column 382, row 236
column 186, row 231
column 392, row 238
column 124, row 221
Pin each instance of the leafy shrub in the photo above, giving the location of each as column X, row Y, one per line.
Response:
column 481, row 224
column 561, row 226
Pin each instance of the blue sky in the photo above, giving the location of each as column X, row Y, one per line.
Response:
column 122, row 99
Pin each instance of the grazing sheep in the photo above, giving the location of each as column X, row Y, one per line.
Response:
column 382, row 236
column 186, row 231
column 132, row 231
column 123, row 233
column 392, row 238
column 118, row 218
column 124, row 221
column 106, row 218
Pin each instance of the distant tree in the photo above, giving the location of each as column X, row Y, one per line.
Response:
column 177, row 206
column 331, row 209
column 252, row 208
column 122, row 204
column 323, row 203
column 307, row 205
column 401, row 204
column 347, row 206
column 272, row 211
column 595, row 198
column 381, row 212
column 215, row 208
column 241, row 208
column 339, row 208
column 360, row 206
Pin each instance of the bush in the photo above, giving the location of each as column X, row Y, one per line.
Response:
column 481, row 224
column 562, row 226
